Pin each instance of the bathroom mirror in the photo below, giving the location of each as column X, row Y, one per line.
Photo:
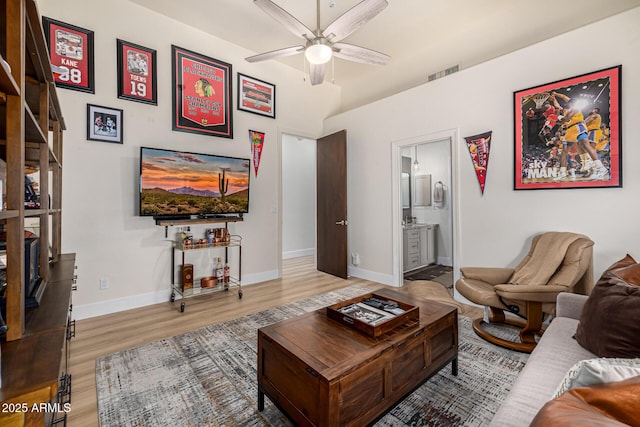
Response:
column 423, row 190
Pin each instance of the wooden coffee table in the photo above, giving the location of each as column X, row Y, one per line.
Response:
column 319, row 372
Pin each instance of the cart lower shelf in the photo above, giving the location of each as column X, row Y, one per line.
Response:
column 197, row 291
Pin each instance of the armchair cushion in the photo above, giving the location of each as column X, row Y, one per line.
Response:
column 492, row 275
column 538, row 293
column 610, row 321
column 547, row 254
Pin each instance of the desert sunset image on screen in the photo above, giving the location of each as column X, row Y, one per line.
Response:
column 182, row 183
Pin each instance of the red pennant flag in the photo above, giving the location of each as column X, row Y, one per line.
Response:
column 257, row 141
column 478, row 146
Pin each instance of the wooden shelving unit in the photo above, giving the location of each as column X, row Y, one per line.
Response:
column 33, row 352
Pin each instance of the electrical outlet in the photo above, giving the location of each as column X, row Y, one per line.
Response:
column 104, row 283
column 355, row 258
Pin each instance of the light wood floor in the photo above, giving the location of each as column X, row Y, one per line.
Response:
column 103, row 335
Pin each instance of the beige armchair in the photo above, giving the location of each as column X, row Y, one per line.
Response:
column 556, row 262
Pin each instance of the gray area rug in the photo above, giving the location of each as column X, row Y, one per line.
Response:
column 207, row 377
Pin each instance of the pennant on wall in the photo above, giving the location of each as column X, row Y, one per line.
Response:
column 257, row 141
column 478, row 146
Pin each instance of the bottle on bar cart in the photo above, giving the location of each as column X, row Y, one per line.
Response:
column 227, row 274
column 219, row 270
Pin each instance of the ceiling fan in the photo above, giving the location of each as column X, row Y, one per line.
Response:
column 321, row 45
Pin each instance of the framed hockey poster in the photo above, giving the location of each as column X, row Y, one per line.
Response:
column 136, row 73
column 71, row 54
column 567, row 133
column 201, row 93
column 256, row 96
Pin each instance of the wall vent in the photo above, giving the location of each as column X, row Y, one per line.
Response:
column 443, row 73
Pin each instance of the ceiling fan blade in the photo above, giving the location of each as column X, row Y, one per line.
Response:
column 287, row 51
column 316, row 74
column 285, row 18
column 359, row 54
column 353, row 19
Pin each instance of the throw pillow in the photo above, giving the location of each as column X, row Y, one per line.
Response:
column 597, row 371
column 610, row 320
column 624, row 262
column 629, row 274
column 611, row 405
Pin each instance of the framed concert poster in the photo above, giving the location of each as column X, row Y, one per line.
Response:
column 104, row 124
column 136, row 73
column 71, row 54
column 567, row 133
column 201, row 93
column 256, row 96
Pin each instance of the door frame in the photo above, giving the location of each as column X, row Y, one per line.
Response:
column 294, row 133
column 396, row 216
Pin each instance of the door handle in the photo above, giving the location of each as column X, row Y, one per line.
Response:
column 343, row 222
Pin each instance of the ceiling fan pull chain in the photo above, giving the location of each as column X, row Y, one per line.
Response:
column 304, row 68
column 333, row 69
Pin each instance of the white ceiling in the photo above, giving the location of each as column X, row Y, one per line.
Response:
column 421, row 36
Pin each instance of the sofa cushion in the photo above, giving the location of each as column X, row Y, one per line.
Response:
column 610, row 321
column 610, row 404
column 597, row 371
column 554, row 355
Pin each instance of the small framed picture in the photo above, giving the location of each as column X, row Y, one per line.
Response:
column 104, row 124
column 256, row 96
column 136, row 73
column 71, row 53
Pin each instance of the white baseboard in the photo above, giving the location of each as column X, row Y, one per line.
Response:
column 298, row 253
column 385, row 279
column 101, row 308
column 445, row 261
column 95, row 309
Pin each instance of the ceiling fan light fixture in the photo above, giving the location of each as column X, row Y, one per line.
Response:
column 318, row 53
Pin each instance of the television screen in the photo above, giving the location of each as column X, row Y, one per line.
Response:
column 181, row 184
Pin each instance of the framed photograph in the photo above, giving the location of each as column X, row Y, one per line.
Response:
column 71, row 54
column 201, row 93
column 136, row 73
column 567, row 133
column 104, row 124
column 256, row 96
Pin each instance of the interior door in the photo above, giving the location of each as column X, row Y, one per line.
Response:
column 331, row 204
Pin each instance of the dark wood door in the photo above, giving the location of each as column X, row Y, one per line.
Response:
column 331, row 251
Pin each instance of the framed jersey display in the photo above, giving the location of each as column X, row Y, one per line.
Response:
column 201, row 94
column 71, row 55
column 567, row 133
column 136, row 73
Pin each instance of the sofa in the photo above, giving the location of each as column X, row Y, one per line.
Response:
column 547, row 365
column 585, row 369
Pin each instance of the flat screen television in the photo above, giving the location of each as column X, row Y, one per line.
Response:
column 180, row 184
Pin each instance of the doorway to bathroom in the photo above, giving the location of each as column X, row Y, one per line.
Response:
column 424, row 216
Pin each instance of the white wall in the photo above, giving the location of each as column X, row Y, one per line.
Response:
column 298, row 196
column 495, row 228
column 100, row 221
